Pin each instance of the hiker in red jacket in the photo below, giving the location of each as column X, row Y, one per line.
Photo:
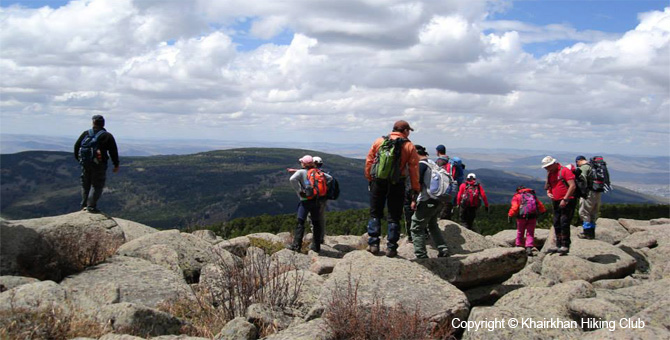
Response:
column 469, row 198
column 526, row 208
column 560, row 188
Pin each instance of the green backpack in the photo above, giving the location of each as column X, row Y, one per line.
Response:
column 387, row 163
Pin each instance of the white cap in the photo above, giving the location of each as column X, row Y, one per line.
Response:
column 547, row 161
column 318, row 160
column 472, row 175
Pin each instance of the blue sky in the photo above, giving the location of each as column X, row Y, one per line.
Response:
column 564, row 75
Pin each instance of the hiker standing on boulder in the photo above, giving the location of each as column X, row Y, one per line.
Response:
column 560, row 188
column 455, row 168
column 526, row 208
column 427, row 211
column 93, row 149
column 589, row 206
column 390, row 160
column 469, row 198
column 310, row 183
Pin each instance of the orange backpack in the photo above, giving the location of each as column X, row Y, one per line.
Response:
column 316, row 185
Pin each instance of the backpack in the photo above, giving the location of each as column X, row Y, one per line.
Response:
column 440, row 185
column 387, row 162
column 471, row 196
column 316, row 185
column 333, row 190
column 528, row 207
column 88, row 149
column 455, row 168
column 581, row 182
column 599, row 175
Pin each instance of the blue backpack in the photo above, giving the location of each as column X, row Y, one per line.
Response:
column 88, row 149
column 456, row 169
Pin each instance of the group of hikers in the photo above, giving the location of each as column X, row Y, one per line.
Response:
column 404, row 180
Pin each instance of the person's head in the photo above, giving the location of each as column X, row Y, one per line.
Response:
column 318, row 161
column 421, row 151
column 306, row 161
column 441, row 150
column 471, row 177
column 549, row 163
column 98, row 121
column 580, row 160
column 402, row 127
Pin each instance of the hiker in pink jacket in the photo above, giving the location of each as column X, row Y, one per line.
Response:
column 525, row 207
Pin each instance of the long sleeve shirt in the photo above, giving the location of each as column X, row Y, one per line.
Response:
column 409, row 160
column 461, row 190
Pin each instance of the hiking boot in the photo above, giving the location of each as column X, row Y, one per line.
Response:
column 294, row 247
column 93, row 210
column 443, row 253
column 563, row 250
column 315, row 248
column 391, row 253
column 552, row 250
column 529, row 251
column 374, row 249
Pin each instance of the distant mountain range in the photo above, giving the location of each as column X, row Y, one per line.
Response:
column 209, row 187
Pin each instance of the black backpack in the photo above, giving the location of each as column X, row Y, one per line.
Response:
column 333, row 191
column 88, row 149
column 599, row 175
column 582, row 183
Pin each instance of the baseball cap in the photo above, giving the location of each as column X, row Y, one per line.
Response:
column 441, row 149
column 306, row 159
column 580, row 158
column 99, row 120
column 401, row 125
column 317, row 160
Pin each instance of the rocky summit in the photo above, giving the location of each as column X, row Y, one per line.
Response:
column 131, row 281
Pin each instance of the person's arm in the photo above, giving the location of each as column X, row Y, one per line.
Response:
column 486, row 202
column 113, row 152
column 571, row 190
column 329, row 178
column 541, row 207
column 77, row 145
column 372, row 154
column 413, row 166
column 296, row 181
column 514, row 209
column 461, row 189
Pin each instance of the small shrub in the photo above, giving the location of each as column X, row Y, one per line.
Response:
column 205, row 320
column 52, row 323
column 269, row 247
column 347, row 318
column 65, row 252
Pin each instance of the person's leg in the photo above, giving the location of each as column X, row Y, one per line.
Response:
column 408, row 213
column 395, row 199
column 85, row 186
column 470, row 213
column 530, row 232
column 595, row 211
column 433, row 216
column 299, row 232
column 418, row 229
column 99, row 177
column 520, row 229
column 378, row 192
column 567, row 213
column 314, row 209
column 322, row 218
column 556, row 222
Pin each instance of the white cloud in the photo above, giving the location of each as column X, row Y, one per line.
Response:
column 352, row 67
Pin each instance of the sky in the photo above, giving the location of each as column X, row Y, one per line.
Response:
column 586, row 76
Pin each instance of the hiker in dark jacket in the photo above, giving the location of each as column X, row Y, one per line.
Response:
column 94, row 172
column 469, row 205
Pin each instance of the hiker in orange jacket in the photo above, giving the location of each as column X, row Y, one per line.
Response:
column 390, row 191
column 526, row 208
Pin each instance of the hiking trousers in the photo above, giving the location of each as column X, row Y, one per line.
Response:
column 311, row 208
column 425, row 217
column 527, row 227
column 392, row 195
column 448, row 208
column 468, row 215
column 562, row 220
column 92, row 176
column 589, row 207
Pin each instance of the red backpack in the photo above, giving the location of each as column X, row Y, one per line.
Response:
column 316, row 184
column 471, row 195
